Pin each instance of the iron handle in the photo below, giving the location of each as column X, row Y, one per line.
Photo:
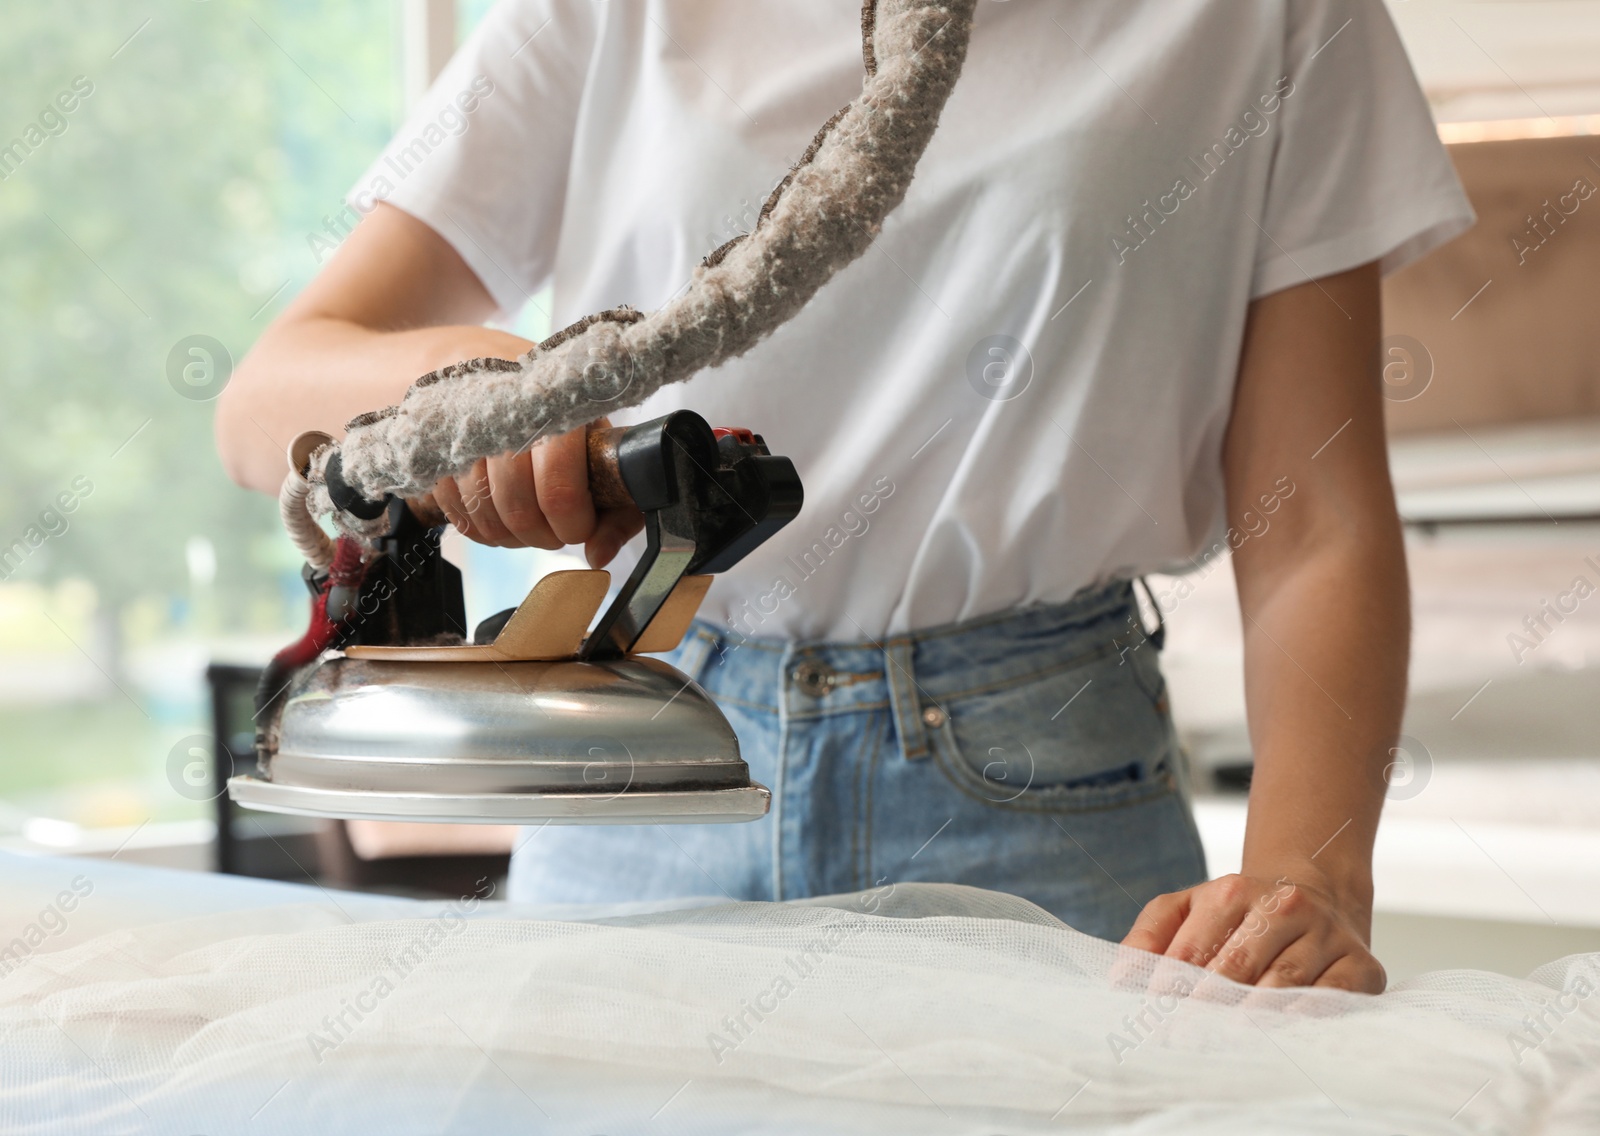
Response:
column 606, row 487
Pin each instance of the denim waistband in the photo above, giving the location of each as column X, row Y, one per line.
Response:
column 911, row 674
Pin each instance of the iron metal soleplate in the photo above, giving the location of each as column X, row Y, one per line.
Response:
column 699, row 806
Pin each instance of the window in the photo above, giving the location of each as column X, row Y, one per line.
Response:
column 162, row 174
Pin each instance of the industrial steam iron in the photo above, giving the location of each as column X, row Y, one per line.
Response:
column 384, row 711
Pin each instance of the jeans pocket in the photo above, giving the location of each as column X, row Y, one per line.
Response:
column 1093, row 735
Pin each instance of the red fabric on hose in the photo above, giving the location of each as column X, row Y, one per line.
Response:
column 347, row 568
column 346, row 571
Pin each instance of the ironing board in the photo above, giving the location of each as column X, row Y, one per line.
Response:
column 182, row 1003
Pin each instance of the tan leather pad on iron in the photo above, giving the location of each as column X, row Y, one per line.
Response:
column 667, row 629
column 551, row 622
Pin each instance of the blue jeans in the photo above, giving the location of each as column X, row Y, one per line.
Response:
column 1030, row 752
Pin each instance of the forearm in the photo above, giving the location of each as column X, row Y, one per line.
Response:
column 1327, row 634
column 1323, row 594
column 395, row 302
column 318, row 372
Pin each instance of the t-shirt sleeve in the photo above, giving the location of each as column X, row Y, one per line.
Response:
column 483, row 156
column 1358, row 172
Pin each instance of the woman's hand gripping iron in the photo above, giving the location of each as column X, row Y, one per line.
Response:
column 383, row 711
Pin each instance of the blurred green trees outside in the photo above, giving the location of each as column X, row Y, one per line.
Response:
column 175, row 200
column 161, row 170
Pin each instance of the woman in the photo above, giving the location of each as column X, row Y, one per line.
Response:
column 1129, row 307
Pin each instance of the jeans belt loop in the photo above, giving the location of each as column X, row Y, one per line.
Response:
column 903, row 697
column 1158, row 637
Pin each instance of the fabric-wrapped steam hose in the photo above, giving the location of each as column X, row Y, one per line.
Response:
column 819, row 219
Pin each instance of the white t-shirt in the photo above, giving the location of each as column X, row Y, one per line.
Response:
column 1022, row 388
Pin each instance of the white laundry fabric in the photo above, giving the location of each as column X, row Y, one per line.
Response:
column 915, row 1009
column 1066, row 216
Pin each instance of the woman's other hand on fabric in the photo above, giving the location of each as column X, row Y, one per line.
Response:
column 1300, row 913
column 537, row 497
column 1264, row 932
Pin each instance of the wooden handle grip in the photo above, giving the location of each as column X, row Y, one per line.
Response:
column 606, row 486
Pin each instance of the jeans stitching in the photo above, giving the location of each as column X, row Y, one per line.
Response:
column 953, row 766
column 744, row 703
column 863, row 828
column 1076, row 661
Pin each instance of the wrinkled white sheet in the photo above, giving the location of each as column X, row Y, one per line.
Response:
column 167, row 1002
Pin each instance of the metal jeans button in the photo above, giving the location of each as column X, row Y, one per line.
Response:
column 934, row 717
column 813, row 677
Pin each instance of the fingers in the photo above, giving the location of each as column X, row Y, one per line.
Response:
column 561, row 481
column 537, row 498
column 1217, row 910
column 466, row 503
column 1272, row 931
column 515, row 501
column 1159, row 922
column 447, row 495
column 1358, row 971
column 1275, row 935
column 477, row 495
column 1300, row 962
column 427, row 510
column 613, row 529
